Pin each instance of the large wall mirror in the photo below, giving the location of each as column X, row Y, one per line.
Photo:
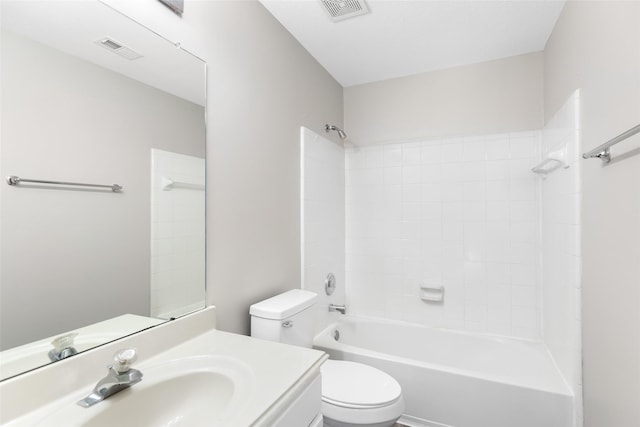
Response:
column 90, row 96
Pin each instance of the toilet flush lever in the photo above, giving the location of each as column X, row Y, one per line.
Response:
column 287, row 324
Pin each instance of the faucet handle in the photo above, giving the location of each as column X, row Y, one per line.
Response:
column 123, row 359
column 63, row 341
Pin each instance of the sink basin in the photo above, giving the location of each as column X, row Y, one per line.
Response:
column 193, row 391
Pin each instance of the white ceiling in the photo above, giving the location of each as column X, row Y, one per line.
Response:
column 404, row 37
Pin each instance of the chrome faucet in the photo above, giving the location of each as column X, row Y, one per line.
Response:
column 62, row 347
column 339, row 308
column 119, row 377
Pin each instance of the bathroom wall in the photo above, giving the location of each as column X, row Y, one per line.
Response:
column 561, row 253
column 262, row 86
column 456, row 212
column 323, row 222
column 595, row 46
column 49, row 133
column 177, row 233
column 491, row 97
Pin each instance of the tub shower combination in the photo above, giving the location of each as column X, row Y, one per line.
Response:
column 379, row 218
column 454, row 378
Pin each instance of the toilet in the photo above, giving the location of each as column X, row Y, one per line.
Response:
column 353, row 394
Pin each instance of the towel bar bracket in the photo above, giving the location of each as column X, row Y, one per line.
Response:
column 604, row 155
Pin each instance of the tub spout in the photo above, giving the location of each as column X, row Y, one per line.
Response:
column 339, row 308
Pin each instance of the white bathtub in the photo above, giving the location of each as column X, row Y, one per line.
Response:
column 458, row 379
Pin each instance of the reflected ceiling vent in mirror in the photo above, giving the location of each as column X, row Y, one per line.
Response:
column 344, row 9
column 118, row 48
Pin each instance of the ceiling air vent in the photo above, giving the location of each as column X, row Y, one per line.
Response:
column 344, row 9
column 118, row 48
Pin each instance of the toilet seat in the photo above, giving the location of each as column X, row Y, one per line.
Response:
column 358, row 386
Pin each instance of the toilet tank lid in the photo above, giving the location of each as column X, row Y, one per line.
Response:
column 284, row 305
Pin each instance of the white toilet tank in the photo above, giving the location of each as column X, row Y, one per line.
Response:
column 287, row 318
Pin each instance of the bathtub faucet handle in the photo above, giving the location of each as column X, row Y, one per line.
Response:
column 339, row 308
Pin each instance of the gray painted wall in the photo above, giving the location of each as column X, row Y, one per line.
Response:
column 596, row 46
column 487, row 98
column 262, row 86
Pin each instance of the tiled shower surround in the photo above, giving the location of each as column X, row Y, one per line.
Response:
column 462, row 213
column 467, row 214
column 177, row 235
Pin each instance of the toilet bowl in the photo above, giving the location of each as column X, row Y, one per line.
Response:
column 353, row 394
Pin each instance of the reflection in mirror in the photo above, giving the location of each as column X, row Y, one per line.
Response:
column 90, row 96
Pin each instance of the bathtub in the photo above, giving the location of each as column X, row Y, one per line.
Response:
column 457, row 379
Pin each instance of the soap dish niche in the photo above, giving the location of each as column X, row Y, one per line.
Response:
column 433, row 293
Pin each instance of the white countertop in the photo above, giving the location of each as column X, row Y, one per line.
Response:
column 278, row 372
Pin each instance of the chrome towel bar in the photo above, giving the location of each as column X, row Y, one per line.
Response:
column 603, row 152
column 15, row 180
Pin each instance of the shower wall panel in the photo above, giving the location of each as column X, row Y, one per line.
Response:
column 462, row 213
column 323, row 226
column 561, row 253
